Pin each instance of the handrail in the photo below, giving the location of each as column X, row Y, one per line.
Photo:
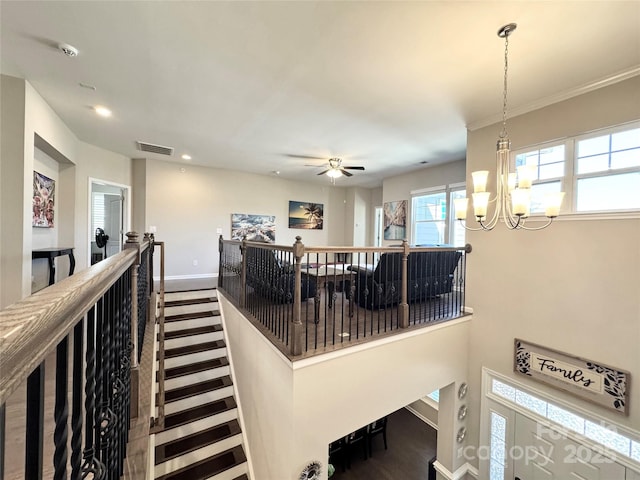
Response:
column 289, row 292
column 31, row 328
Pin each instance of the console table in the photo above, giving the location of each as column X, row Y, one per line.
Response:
column 50, row 254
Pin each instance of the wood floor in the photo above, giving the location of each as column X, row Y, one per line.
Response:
column 411, row 444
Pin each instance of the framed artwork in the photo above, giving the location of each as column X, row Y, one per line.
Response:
column 255, row 228
column 395, row 220
column 306, row 215
column 598, row 383
column 44, row 198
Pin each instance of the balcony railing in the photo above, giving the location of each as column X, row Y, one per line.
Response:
column 95, row 323
column 312, row 299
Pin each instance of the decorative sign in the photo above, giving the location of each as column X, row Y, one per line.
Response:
column 591, row 381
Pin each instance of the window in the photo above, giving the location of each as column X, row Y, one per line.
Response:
column 604, row 435
column 433, row 222
column 497, row 460
column 600, row 171
column 98, row 211
column 435, row 396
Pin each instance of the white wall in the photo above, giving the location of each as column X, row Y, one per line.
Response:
column 188, row 207
column 574, row 286
column 292, row 412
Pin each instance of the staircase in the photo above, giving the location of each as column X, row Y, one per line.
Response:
column 201, row 438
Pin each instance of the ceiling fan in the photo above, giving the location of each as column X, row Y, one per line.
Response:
column 335, row 169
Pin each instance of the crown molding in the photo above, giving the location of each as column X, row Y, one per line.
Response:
column 559, row 97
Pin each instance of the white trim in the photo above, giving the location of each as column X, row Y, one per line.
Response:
column 437, row 188
column 422, row 417
column 457, row 185
column 577, row 410
column 188, row 277
column 559, row 97
column 307, row 362
column 431, row 402
column 458, row 474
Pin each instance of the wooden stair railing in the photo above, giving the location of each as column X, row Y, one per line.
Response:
column 100, row 314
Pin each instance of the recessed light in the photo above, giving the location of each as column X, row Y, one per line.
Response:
column 68, row 50
column 102, row 111
column 186, row 157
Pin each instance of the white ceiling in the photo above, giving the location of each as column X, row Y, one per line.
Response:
column 245, row 85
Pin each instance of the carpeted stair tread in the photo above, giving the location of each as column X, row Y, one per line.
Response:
column 196, row 389
column 189, row 301
column 195, row 348
column 187, row 332
column 189, row 443
column 191, row 316
column 209, row 467
column 197, row 413
column 197, row 367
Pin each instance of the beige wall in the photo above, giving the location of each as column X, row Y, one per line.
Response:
column 292, row 412
column 188, row 208
column 27, row 121
column 575, row 286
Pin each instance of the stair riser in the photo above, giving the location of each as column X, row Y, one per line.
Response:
column 196, row 377
column 185, row 403
column 192, row 323
column 193, row 427
column 197, row 455
column 192, row 339
column 194, row 357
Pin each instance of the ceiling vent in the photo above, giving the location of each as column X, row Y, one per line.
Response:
column 159, row 149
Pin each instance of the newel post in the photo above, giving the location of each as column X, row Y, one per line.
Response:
column 295, row 341
column 133, row 242
column 220, row 252
column 404, row 306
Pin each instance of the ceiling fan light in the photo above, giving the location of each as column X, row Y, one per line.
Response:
column 334, row 173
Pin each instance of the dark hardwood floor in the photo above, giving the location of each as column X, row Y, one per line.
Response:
column 411, row 444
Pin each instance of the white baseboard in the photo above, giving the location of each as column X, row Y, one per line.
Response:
column 187, row 277
column 458, row 474
column 422, row 417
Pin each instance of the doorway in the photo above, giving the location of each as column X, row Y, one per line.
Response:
column 109, row 218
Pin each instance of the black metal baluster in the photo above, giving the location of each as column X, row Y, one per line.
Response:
column 76, row 415
column 61, row 411
column 91, row 465
column 35, row 423
column 110, row 387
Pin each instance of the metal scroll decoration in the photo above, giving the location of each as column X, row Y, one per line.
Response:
column 311, row 471
column 595, row 382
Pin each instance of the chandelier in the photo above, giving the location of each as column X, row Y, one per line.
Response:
column 513, row 190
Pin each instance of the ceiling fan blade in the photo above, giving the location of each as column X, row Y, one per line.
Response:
column 354, row 168
column 309, row 157
column 322, row 173
column 345, row 173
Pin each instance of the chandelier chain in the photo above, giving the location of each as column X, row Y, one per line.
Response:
column 503, row 134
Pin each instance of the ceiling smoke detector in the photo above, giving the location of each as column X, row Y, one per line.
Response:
column 68, row 50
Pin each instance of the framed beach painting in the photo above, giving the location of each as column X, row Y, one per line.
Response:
column 306, row 215
column 255, row 228
column 395, row 220
column 44, row 197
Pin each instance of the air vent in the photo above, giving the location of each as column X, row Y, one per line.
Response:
column 159, row 149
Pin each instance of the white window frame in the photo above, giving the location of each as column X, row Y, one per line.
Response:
column 491, row 401
column 449, row 217
column 570, row 179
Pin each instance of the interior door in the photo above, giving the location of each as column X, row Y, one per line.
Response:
column 540, row 453
column 115, row 226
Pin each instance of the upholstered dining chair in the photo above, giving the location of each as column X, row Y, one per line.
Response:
column 379, row 427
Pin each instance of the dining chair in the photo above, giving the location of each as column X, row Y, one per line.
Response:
column 379, row 427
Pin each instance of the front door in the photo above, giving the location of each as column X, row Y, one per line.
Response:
column 542, row 453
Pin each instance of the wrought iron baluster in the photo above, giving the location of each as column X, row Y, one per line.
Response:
column 76, row 405
column 34, row 425
column 91, row 465
column 61, row 411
